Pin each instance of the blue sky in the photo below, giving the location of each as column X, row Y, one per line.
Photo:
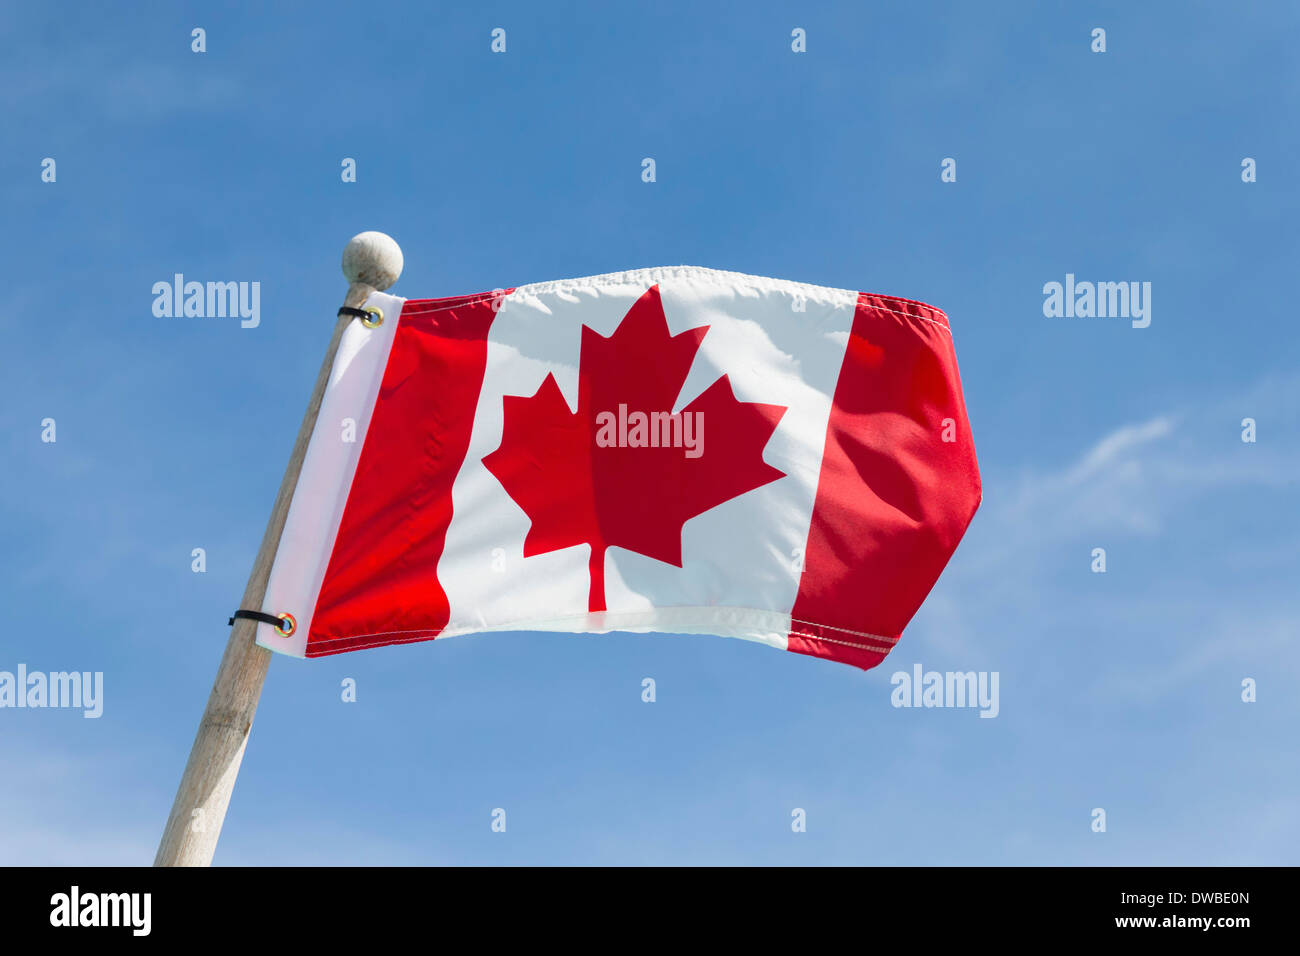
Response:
column 1119, row 690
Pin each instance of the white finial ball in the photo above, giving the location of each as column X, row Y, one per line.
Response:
column 373, row 259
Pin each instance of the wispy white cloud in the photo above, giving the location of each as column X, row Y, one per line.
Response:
column 1135, row 476
column 1139, row 481
column 1128, row 439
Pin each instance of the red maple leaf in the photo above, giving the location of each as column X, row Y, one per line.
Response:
column 559, row 466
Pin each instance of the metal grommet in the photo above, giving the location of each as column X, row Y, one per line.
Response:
column 290, row 623
column 376, row 319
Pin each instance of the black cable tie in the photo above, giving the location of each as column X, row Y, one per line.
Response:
column 271, row 619
column 358, row 313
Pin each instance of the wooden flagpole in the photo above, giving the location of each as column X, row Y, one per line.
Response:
column 372, row 262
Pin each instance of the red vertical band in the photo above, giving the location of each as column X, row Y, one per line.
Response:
column 899, row 484
column 381, row 584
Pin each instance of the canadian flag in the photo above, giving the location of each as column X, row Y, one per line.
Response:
column 678, row 450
